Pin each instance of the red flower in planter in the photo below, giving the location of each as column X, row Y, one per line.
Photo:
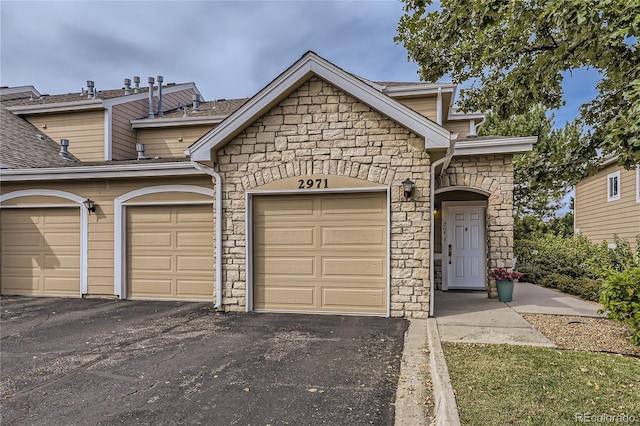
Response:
column 501, row 274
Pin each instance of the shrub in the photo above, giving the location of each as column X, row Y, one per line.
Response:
column 584, row 287
column 621, row 299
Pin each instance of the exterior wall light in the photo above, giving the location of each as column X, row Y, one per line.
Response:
column 407, row 185
column 90, row 205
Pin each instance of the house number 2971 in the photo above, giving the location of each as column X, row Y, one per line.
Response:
column 313, row 183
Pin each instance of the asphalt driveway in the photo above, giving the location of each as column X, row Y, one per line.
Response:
column 93, row 361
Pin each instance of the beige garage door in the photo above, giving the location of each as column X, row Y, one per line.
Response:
column 170, row 252
column 40, row 251
column 321, row 253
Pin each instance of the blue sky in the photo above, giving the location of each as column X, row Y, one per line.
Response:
column 229, row 49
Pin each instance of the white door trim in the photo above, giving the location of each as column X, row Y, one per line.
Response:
column 249, row 233
column 120, row 225
column 445, row 212
column 84, row 222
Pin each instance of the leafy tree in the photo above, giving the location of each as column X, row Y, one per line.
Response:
column 544, row 175
column 515, row 53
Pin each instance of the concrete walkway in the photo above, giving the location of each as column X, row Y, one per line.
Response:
column 471, row 317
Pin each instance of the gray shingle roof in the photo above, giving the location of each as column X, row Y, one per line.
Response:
column 23, row 146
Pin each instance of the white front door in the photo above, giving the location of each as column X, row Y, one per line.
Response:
column 464, row 247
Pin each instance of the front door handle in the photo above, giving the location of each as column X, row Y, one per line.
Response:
column 449, row 254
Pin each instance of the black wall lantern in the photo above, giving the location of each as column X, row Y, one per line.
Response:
column 407, row 185
column 90, row 205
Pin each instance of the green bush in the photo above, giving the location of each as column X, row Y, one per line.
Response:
column 573, row 264
column 584, row 287
column 621, row 299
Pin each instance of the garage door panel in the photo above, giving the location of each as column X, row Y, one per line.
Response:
column 19, row 283
column 61, row 285
column 170, row 257
column 151, row 239
column 194, row 239
column 333, row 259
column 193, row 264
column 353, row 267
column 297, row 266
column 361, row 205
column 195, row 288
column 349, row 236
column 361, row 299
column 152, row 263
column 285, row 206
column 62, row 239
column 21, row 240
column 152, row 288
column 61, row 218
column 69, row 262
column 283, row 236
column 299, row 297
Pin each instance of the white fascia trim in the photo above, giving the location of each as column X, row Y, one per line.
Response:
column 495, row 146
column 59, row 107
column 108, row 135
column 178, row 121
column 120, row 226
column 84, row 223
column 95, row 103
column 311, row 64
column 106, row 171
column 638, row 184
column 454, row 115
column 19, row 89
column 417, row 90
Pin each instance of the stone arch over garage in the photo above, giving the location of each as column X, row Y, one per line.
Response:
column 490, row 178
column 368, row 172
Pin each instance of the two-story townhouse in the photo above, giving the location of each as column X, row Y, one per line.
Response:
column 607, row 203
column 324, row 192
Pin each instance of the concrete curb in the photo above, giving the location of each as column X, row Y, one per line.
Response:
column 411, row 394
column 446, row 409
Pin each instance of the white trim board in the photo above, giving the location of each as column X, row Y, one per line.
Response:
column 120, row 226
column 140, row 169
column 84, row 222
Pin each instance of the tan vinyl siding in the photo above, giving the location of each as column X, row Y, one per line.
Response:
column 103, row 192
column 460, row 127
column 170, row 142
column 84, row 129
column 425, row 105
column 599, row 219
column 123, row 136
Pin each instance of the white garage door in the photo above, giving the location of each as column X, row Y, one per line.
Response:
column 40, row 251
column 320, row 253
column 170, row 252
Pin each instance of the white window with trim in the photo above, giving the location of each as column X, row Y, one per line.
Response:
column 613, row 186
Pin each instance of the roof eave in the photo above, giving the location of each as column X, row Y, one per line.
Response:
column 499, row 145
column 175, row 122
column 102, row 171
column 436, row 137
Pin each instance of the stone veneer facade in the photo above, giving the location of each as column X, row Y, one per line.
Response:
column 492, row 174
column 319, row 129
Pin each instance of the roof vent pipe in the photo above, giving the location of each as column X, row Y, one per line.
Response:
column 64, row 148
column 127, row 86
column 196, row 102
column 90, row 89
column 151, row 81
column 140, row 149
column 160, row 79
column 136, row 81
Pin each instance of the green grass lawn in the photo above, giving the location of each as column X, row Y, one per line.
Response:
column 502, row 384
